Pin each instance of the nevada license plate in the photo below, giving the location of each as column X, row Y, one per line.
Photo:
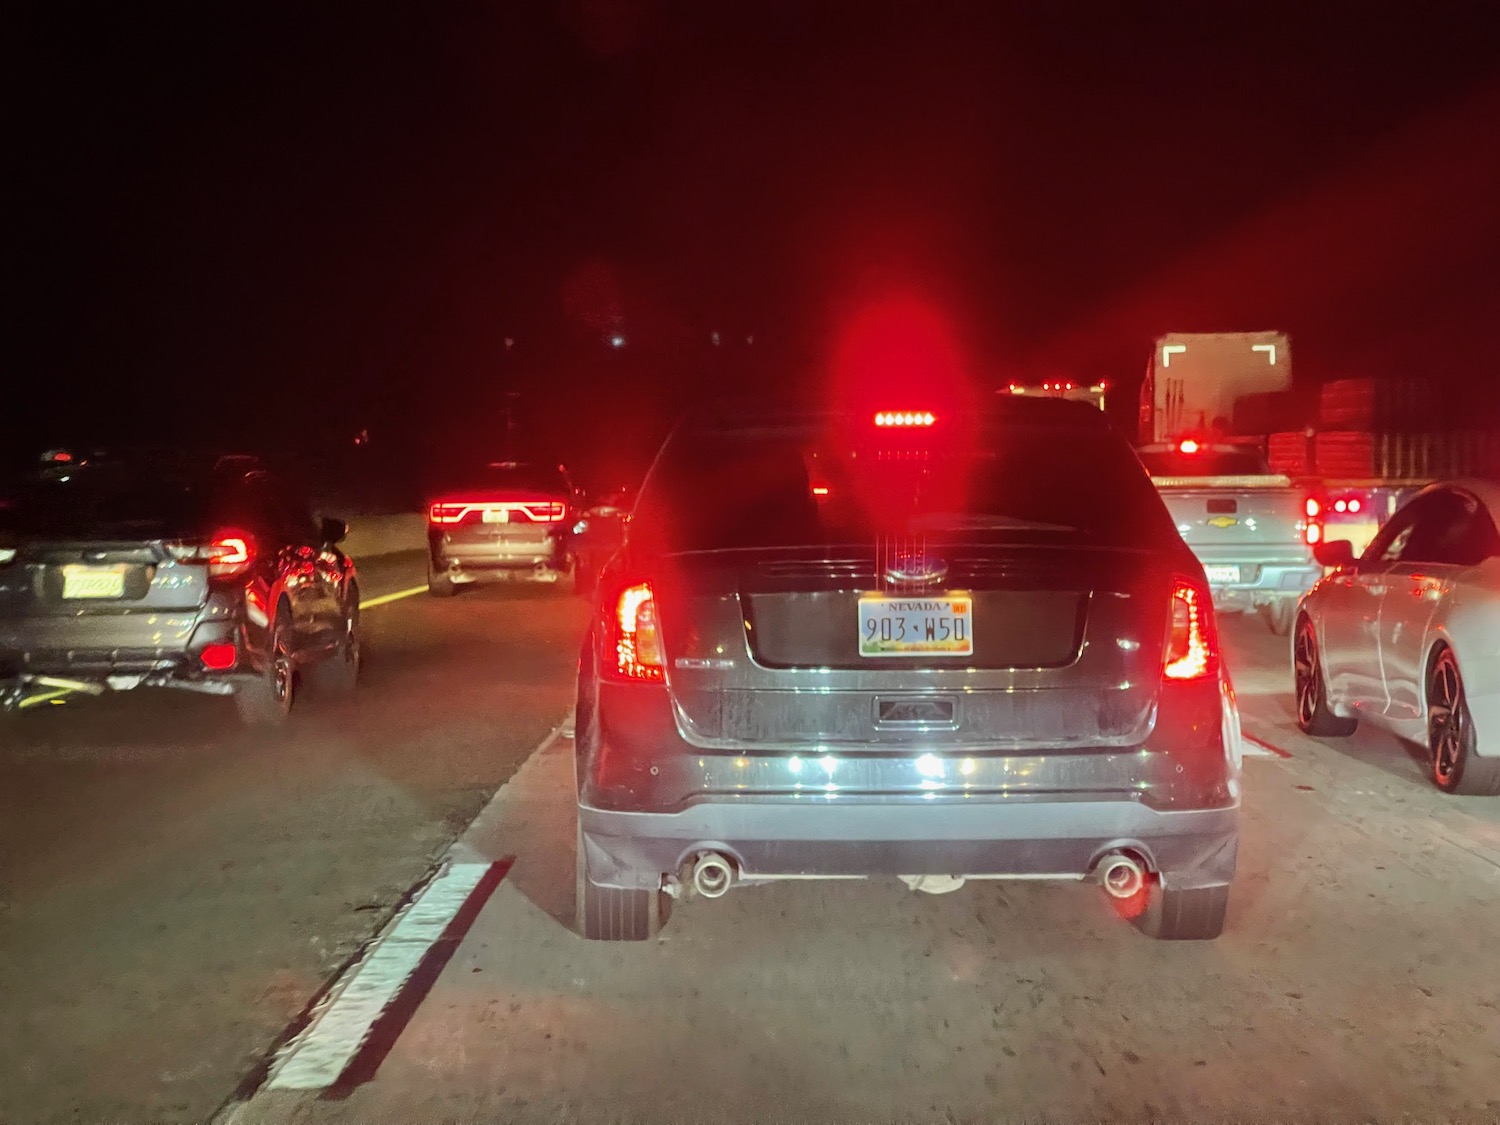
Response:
column 1222, row 573
column 916, row 626
column 93, row 581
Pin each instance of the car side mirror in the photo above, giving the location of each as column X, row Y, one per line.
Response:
column 332, row 531
column 1334, row 552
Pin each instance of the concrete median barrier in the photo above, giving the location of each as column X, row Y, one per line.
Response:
column 371, row 536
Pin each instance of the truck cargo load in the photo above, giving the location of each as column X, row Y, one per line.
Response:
column 1195, row 380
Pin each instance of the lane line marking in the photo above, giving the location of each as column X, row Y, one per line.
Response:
column 43, row 697
column 1266, row 749
column 255, row 1078
column 336, row 1036
column 362, row 1046
column 392, row 1020
column 386, row 599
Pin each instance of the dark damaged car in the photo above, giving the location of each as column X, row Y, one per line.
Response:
column 158, row 569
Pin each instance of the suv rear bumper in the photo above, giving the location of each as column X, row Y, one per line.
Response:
column 818, row 837
column 470, row 560
column 107, row 647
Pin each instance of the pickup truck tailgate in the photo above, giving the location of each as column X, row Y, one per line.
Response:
column 1232, row 520
column 1250, row 530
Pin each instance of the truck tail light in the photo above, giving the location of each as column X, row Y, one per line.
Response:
column 1312, row 526
column 636, row 635
column 1192, row 641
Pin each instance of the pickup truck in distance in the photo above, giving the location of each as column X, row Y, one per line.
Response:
column 1252, row 531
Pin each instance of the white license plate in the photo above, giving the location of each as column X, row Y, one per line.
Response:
column 916, row 626
column 93, row 582
column 495, row 515
column 1222, row 573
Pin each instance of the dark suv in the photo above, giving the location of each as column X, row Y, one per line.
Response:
column 930, row 644
column 166, row 570
column 508, row 520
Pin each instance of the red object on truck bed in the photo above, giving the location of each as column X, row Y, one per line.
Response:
column 1377, row 405
column 1355, row 455
column 1290, row 453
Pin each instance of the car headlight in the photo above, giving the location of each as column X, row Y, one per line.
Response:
column 7, row 555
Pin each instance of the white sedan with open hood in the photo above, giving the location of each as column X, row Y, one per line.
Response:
column 1408, row 635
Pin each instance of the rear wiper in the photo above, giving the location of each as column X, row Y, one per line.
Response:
column 958, row 521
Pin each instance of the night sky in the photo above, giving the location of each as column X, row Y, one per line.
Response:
column 271, row 226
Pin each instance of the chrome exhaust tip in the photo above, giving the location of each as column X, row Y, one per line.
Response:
column 712, row 875
column 1121, row 875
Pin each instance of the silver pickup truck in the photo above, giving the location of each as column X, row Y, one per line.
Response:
column 1252, row 531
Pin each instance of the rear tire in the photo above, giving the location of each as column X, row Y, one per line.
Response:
column 265, row 699
column 1278, row 616
column 439, row 585
column 1452, row 763
column 1313, row 715
column 1193, row 914
column 613, row 913
column 338, row 672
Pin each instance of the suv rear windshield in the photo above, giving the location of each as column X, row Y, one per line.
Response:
column 105, row 502
column 530, row 478
column 806, row 484
column 1205, row 463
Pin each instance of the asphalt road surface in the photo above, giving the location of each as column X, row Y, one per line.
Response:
column 194, row 918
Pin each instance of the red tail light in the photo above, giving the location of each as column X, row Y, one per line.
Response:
column 219, row 657
column 448, row 513
column 1188, row 445
column 1312, row 527
column 545, row 513
column 1192, row 643
column 228, row 554
column 905, row 418
column 456, row 511
column 638, row 652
